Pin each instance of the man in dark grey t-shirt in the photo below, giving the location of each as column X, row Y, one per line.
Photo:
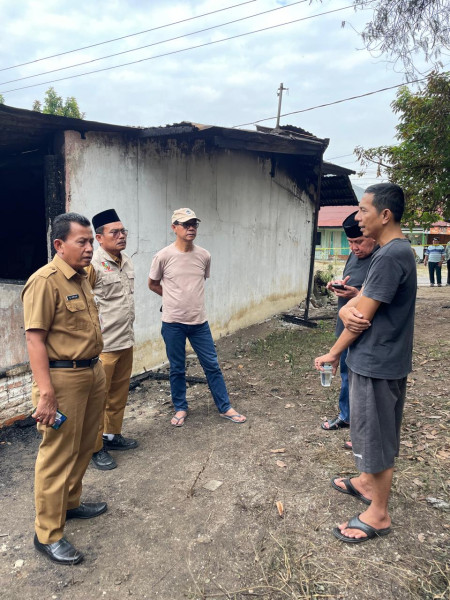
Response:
column 378, row 331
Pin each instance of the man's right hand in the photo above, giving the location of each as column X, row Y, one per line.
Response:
column 353, row 320
column 45, row 412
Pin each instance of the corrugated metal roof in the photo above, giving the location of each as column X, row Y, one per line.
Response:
column 337, row 190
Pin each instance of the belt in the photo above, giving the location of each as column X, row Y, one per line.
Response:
column 73, row 364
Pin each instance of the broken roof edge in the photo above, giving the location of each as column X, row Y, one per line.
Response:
column 191, row 127
column 60, row 122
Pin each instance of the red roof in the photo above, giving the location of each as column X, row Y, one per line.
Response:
column 333, row 216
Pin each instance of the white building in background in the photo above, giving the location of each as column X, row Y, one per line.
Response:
column 256, row 193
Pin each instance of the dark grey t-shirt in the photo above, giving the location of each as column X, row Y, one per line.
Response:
column 357, row 269
column 384, row 351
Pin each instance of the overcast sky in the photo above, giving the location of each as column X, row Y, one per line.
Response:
column 226, row 83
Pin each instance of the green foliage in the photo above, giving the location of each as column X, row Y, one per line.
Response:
column 420, row 162
column 54, row 105
column 404, row 31
column 2, row 99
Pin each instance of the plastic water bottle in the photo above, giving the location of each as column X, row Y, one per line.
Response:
column 326, row 375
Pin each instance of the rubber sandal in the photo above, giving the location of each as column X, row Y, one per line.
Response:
column 233, row 418
column 335, row 424
column 349, row 489
column 178, row 419
column 356, row 523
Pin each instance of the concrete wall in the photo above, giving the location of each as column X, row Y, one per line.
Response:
column 257, row 227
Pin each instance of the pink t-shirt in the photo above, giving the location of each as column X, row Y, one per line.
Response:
column 182, row 276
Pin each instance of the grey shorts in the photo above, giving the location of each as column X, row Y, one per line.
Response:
column 376, row 410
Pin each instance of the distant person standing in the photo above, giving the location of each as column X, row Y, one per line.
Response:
column 434, row 257
column 111, row 276
column 447, row 258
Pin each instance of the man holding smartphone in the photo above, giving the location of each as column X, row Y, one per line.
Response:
column 64, row 342
column 356, row 267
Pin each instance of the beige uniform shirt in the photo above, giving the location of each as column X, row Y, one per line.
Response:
column 59, row 300
column 113, row 283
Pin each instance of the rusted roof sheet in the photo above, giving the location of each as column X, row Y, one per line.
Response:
column 333, row 216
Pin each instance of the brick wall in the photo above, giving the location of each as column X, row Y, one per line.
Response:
column 15, row 394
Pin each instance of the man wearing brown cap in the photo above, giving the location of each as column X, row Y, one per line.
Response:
column 356, row 267
column 111, row 276
column 178, row 274
column 64, row 342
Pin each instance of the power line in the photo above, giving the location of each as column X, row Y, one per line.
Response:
column 233, row 37
column 152, row 44
column 124, row 37
column 342, row 156
column 296, row 112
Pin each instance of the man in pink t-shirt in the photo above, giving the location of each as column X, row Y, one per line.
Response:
column 178, row 274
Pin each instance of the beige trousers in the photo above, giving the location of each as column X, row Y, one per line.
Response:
column 117, row 367
column 64, row 454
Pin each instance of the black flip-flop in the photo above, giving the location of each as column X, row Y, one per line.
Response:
column 356, row 523
column 349, row 489
column 336, row 423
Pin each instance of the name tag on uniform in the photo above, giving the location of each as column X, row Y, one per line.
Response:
column 73, row 297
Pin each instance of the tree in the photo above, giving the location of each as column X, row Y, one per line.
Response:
column 2, row 99
column 403, row 30
column 54, row 105
column 420, row 163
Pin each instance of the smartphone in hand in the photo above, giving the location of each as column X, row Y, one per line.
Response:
column 59, row 419
column 338, row 286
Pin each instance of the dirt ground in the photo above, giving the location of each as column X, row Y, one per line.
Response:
column 167, row 536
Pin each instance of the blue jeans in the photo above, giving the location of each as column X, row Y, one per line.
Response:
column 344, row 401
column 200, row 338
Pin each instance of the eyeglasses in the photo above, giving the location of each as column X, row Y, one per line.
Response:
column 188, row 224
column 116, row 232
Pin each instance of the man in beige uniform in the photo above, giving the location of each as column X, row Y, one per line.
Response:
column 111, row 276
column 64, row 342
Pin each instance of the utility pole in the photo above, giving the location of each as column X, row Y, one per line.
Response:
column 280, row 97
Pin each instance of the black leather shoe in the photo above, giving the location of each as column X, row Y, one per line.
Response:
column 61, row 551
column 119, row 443
column 103, row 461
column 87, row 510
